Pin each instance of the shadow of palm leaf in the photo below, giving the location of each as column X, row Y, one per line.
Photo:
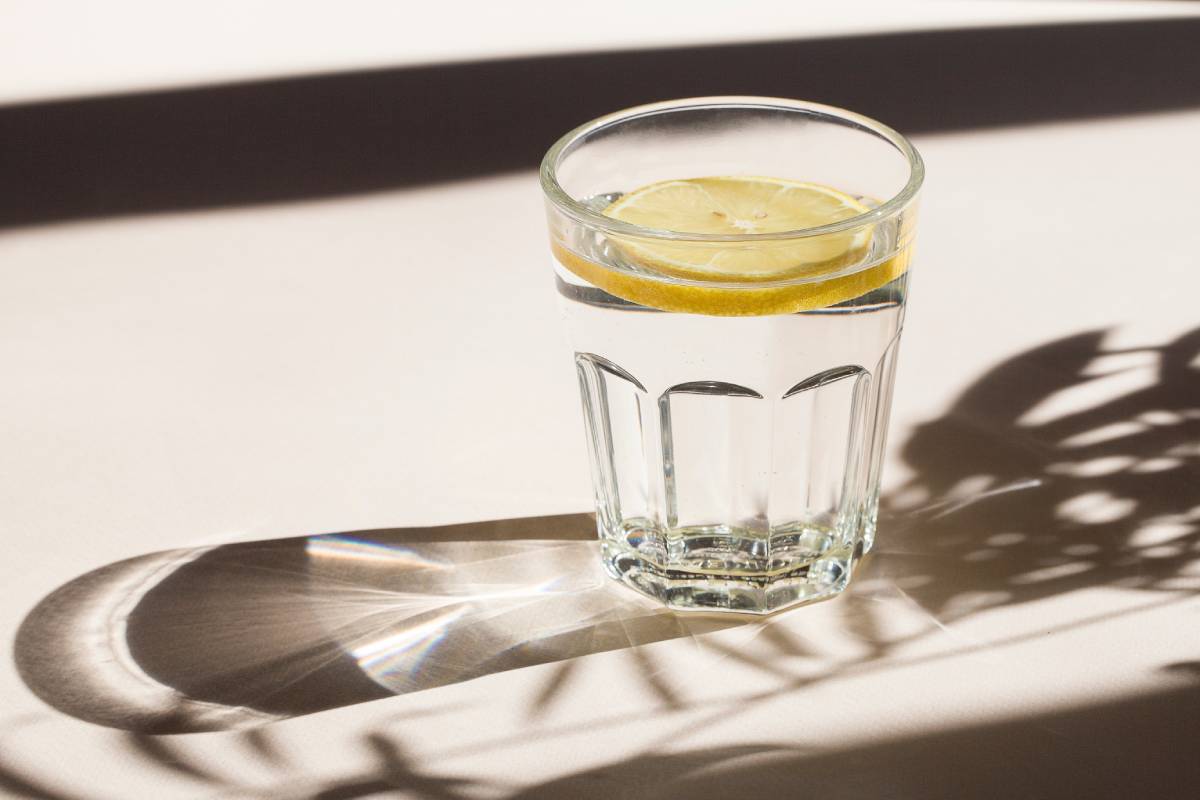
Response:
column 17, row 784
column 1040, row 482
column 161, row 752
column 396, row 773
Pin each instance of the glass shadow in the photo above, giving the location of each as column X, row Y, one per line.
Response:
column 214, row 638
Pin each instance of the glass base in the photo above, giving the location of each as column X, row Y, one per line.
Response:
column 820, row 578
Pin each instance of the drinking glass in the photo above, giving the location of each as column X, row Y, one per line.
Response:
column 735, row 426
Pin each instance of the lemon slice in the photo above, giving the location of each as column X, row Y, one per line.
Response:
column 738, row 205
column 741, row 206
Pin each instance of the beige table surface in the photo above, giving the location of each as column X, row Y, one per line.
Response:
column 1028, row 626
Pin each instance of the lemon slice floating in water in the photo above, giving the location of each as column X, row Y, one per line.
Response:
column 738, row 205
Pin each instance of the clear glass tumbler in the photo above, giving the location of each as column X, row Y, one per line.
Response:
column 735, row 424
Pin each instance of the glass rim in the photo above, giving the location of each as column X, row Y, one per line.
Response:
column 594, row 219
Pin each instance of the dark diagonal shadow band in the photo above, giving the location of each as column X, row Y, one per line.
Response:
column 355, row 132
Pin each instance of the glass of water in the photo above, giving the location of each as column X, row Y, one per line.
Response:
column 733, row 274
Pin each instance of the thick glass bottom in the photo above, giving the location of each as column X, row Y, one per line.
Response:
column 808, row 580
